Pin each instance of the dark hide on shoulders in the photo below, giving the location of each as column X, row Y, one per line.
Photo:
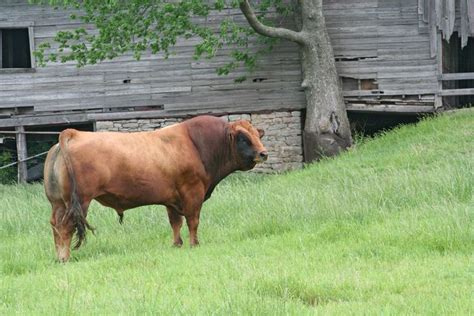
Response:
column 211, row 137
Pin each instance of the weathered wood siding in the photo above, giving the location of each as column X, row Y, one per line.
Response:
column 383, row 46
column 385, row 53
column 449, row 16
column 177, row 86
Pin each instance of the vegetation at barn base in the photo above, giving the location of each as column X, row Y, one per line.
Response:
column 7, row 175
column 392, row 232
column 36, row 145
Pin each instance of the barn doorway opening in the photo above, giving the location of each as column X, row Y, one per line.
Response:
column 458, row 72
column 371, row 124
column 15, row 48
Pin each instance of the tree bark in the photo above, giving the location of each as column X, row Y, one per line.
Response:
column 326, row 131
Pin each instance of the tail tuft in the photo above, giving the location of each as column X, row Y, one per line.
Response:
column 80, row 222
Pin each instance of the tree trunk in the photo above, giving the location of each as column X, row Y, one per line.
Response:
column 326, row 131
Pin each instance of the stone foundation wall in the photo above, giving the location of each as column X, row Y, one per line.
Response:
column 283, row 135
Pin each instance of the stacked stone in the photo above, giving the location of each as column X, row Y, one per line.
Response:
column 135, row 125
column 282, row 138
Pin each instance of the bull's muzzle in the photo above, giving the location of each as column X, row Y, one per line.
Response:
column 262, row 156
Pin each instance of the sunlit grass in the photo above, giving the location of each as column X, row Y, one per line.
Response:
column 385, row 228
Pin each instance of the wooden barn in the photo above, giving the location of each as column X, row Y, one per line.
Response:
column 393, row 56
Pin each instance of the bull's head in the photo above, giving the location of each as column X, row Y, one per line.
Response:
column 249, row 148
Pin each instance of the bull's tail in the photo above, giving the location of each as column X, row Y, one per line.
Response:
column 75, row 211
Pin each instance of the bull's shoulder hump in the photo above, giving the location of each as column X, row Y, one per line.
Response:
column 205, row 125
column 206, row 119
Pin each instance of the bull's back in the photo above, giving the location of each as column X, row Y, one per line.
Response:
column 132, row 168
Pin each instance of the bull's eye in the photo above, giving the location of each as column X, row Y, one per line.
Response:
column 245, row 148
column 243, row 139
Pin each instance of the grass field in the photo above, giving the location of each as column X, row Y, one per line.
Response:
column 386, row 228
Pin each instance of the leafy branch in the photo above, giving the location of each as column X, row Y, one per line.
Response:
column 116, row 27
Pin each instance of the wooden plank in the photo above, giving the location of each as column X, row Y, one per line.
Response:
column 439, row 60
column 456, row 92
column 404, row 100
column 344, row 5
column 374, row 93
column 405, row 74
column 449, row 18
column 16, row 24
column 433, row 29
column 426, row 10
column 407, row 87
column 457, row 76
column 470, row 14
column 438, row 12
column 421, row 7
column 390, row 108
column 17, row 70
column 22, row 154
column 31, row 40
column 464, row 22
column 1, row 50
column 53, row 119
column 185, row 113
column 130, row 115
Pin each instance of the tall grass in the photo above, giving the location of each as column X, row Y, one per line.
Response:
column 384, row 228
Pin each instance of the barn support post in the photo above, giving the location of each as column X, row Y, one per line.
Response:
column 22, row 154
column 439, row 61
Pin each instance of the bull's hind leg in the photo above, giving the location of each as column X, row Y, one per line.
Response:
column 176, row 221
column 63, row 229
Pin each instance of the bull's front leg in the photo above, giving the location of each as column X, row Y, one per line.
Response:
column 193, row 222
column 192, row 198
column 176, row 221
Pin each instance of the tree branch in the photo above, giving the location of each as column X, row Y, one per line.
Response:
column 266, row 30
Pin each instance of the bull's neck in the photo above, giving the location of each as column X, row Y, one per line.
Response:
column 223, row 163
column 215, row 148
column 228, row 166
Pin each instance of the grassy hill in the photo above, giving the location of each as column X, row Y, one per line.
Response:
column 385, row 228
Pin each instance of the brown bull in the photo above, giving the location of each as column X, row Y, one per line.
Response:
column 177, row 166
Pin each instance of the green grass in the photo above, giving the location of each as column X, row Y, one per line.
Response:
column 386, row 228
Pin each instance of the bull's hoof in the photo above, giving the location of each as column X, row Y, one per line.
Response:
column 178, row 244
column 63, row 254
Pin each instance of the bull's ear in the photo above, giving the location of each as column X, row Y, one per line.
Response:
column 261, row 132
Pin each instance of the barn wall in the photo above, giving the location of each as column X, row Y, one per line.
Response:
column 382, row 48
column 178, row 85
column 382, row 53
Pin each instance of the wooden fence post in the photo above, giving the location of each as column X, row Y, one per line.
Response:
column 22, row 154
